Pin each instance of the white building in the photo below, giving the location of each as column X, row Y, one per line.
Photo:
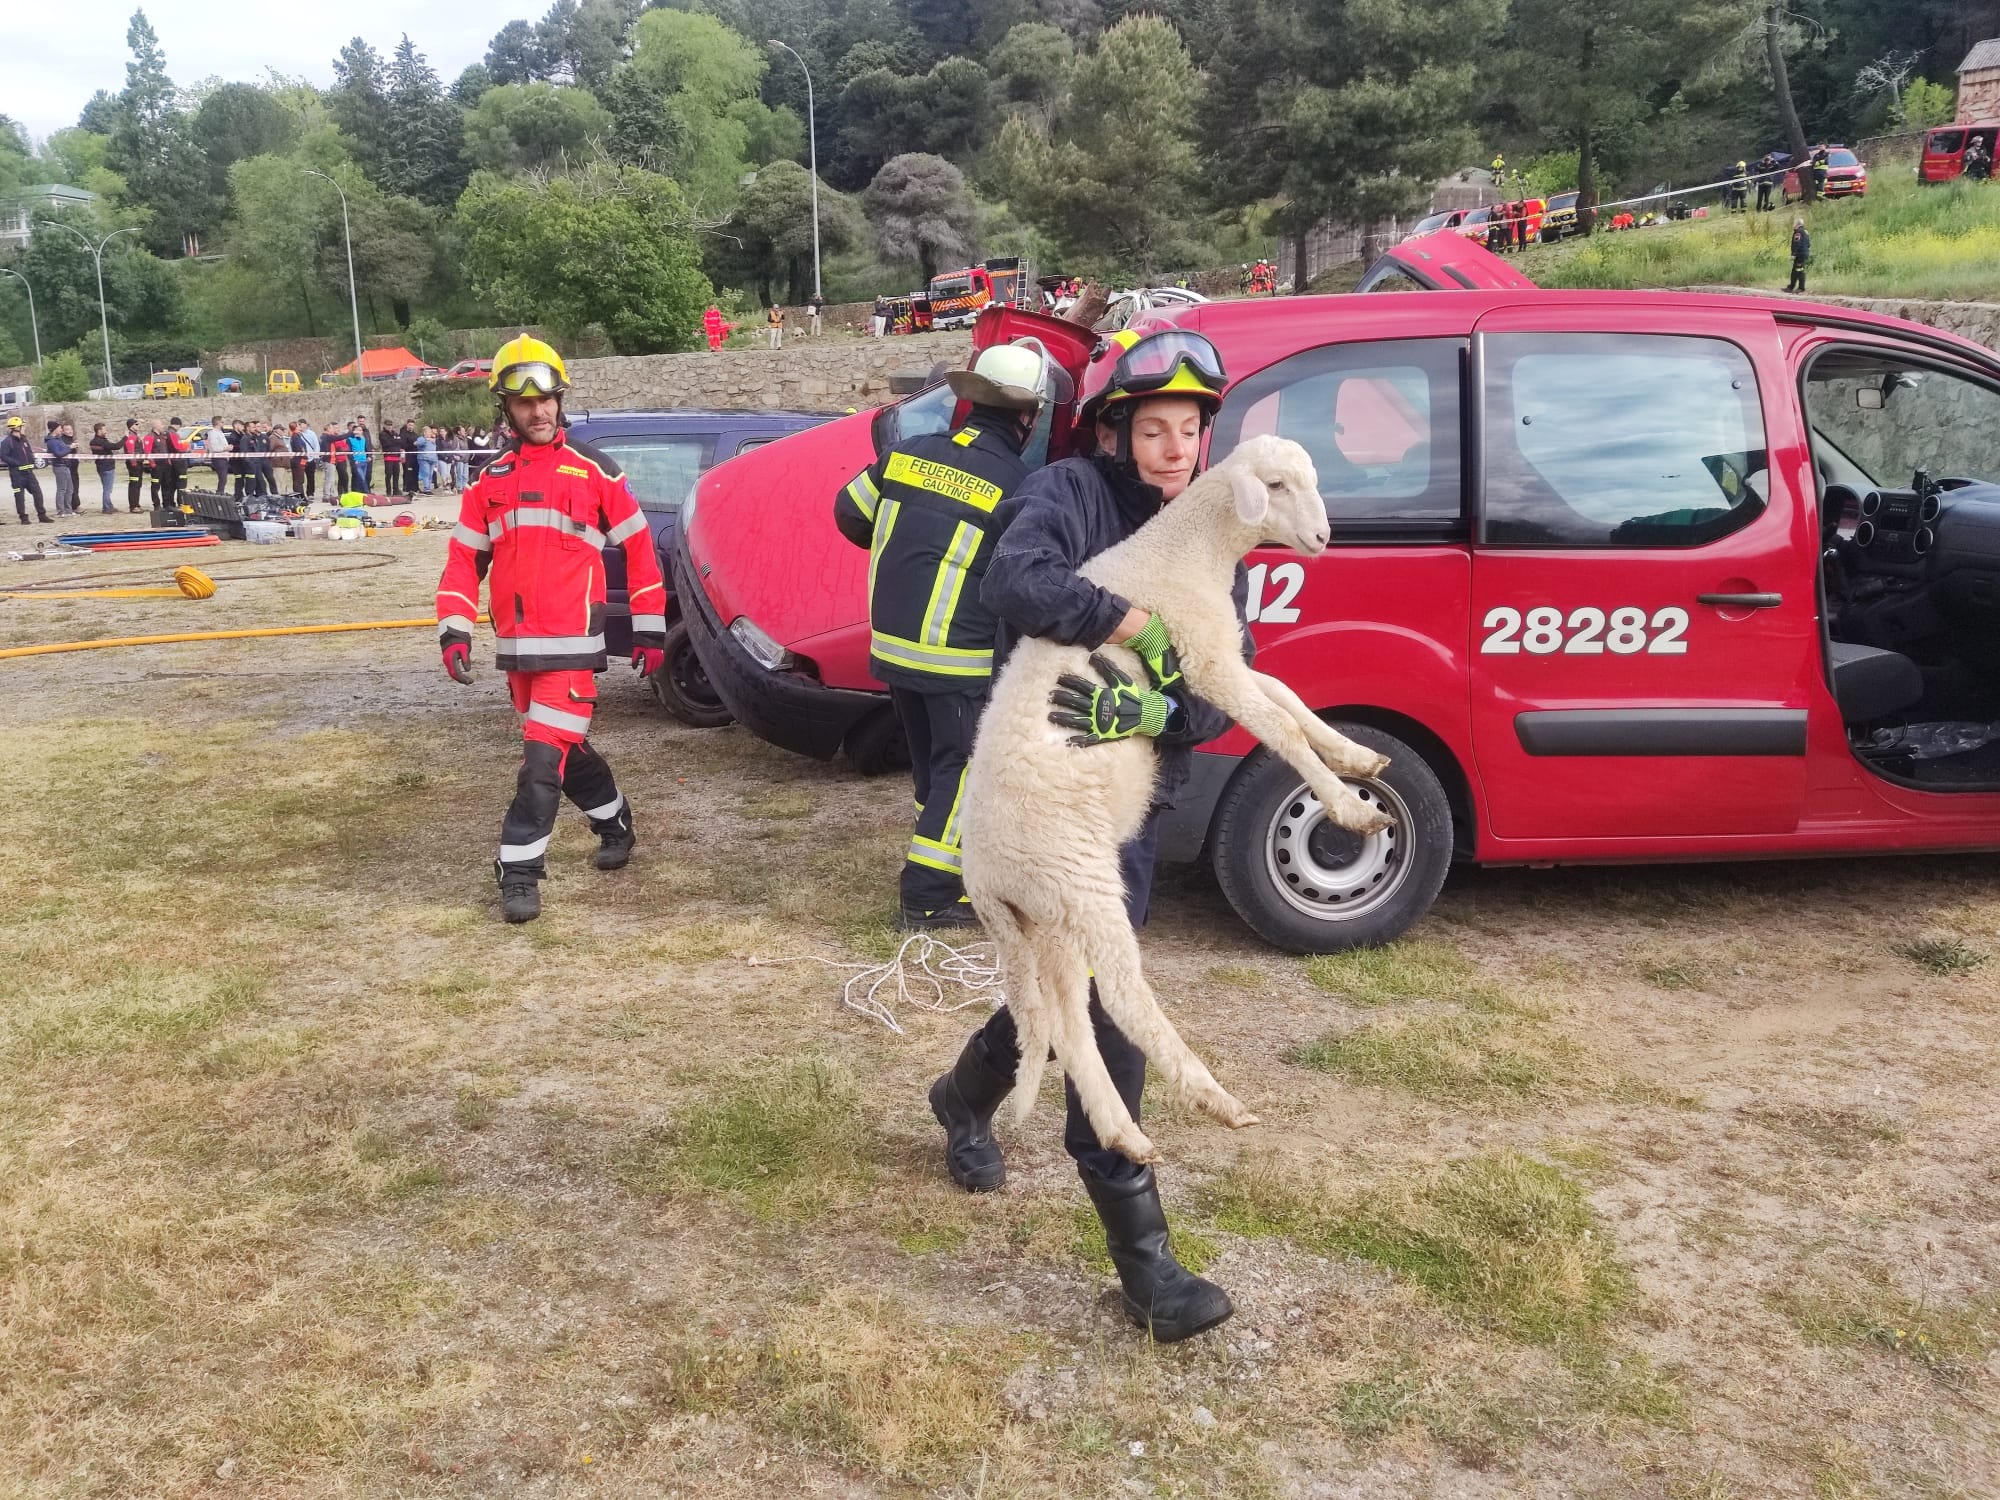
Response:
column 18, row 209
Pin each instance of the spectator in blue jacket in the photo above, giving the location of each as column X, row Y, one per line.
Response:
column 57, row 447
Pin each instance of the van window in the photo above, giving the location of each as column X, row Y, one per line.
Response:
column 1947, row 142
column 1619, row 440
column 662, row 469
column 1889, row 417
column 1381, row 423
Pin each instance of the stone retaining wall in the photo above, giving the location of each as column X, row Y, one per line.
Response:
column 827, row 374
column 1978, row 321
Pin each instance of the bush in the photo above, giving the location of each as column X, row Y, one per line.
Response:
column 446, row 403
column 428, row 339
column 62, row 377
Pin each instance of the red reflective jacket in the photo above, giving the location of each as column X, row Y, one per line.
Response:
column 534, row 525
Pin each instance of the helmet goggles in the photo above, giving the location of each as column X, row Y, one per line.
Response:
column 534, row 378
column 1170, row 362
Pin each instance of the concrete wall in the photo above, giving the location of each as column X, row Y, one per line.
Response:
column 828, row 374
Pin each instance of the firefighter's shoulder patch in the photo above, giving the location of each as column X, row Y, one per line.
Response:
column 503, row 466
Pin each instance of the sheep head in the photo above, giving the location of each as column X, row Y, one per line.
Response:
column 1276, row 496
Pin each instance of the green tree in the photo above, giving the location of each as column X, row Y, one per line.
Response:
column 238, row 121
column 360, row 108
column 1112, row 177
column 1345, row 112
column 706, row 79
column 141, row 292
column 281, row 224
column 515, row 55
column 14, row 155
column 472, row 82
column 1926, row 104
column 424, row 154
column 920, row 211
column 610, row 245
column 582, row 42
column 526, row 126
column 1031, row 66
column 62, row 377
column 770, row 236
column 153, row 150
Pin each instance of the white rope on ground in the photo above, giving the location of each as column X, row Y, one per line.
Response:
column 917, row 978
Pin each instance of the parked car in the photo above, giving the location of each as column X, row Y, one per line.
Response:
column 470, row 369
column 1559, row 218
column 1582, row 541
column 1444, row 218
column 1846, row 176
column 662, row 454
column 1943, row 157
column 281, row 383
column 1475, row 223
column 1125, row 306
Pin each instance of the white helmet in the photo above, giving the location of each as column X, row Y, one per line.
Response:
column 1016, row 377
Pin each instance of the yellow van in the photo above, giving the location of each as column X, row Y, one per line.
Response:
column 168, row 383
column 281, row 383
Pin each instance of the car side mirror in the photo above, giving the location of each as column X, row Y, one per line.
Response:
column 1868, row 398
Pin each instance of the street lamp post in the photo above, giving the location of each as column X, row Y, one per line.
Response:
column 33, row 327
column 96, row 254
column 812, row 147
column 353, row 297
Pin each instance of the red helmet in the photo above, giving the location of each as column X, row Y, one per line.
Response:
column 1128, row 366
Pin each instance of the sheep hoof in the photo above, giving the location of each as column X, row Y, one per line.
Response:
column 1227, row 1108
column 1379, row 765
column 1135, row 1145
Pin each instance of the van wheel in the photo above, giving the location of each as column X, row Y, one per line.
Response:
column 1308, row 885
column 682, row 687
column 876, row 745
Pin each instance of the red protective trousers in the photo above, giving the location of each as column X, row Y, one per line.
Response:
column 557, row 760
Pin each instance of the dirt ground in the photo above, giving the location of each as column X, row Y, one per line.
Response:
column 316, row 1180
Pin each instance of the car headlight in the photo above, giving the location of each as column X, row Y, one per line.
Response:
column 766, row 652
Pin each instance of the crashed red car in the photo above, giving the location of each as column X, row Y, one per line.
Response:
column 1615, row 577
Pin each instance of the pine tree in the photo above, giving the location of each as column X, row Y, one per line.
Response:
column 425, row 155
column 358, row 104
column 151, row 146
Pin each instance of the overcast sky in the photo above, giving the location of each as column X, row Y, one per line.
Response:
column 63, row 54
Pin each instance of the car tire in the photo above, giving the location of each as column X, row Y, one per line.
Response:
column 876, row 746
column 682, row 687
column 1308, row 886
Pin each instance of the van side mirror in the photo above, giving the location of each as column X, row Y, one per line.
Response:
column 1868, row 398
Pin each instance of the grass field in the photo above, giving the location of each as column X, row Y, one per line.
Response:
column 1901, row 240
column 316, row 1180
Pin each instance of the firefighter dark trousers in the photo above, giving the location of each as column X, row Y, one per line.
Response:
column 1122, row 1057
column 557, row 761
column 27, row 485
column 939, row 729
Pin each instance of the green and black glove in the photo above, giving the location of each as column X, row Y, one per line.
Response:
column 1163, row 663
column 1114, row 711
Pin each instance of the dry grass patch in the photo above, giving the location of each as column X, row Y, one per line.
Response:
column 788, row 1141
column 1413, row 969
column 1459, row 1060
column 1951, row 1342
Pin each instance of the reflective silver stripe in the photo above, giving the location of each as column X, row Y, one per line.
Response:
column 516, row 854
column 555, row 520
column 861, row 490
column 552, row 645
column 655, row 623
column 950, row 580
column 951, row 835
column 939, row 856
column 609, row 810
column 473, row 539
column 555, row 718
column 455, row 622
column 632, row 525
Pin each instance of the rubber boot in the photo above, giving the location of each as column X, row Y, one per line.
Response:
column 946, row 919
column 964, row 1100
column 520, row 893
column 616, row 838
column 1163, row 1297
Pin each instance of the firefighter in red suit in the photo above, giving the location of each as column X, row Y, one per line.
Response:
column 533, row 525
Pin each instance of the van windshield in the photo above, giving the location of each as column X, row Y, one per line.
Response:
column 1945, row 142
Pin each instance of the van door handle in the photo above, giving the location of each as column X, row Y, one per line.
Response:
column 1741, row 601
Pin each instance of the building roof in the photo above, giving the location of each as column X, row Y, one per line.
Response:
column 1984, row 54
column 57, row 192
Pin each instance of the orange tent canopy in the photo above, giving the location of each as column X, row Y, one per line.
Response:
column 382, row 364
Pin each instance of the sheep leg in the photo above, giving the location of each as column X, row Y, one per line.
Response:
column 1076, row 1050
column 1013, row 942
column 1128, row 999
column 1335, row 748
column 1238, row 692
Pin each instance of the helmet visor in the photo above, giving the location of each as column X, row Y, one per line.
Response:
column 1155, row 360
column 533, row 379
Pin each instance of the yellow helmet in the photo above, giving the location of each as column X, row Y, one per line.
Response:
column 525, row 364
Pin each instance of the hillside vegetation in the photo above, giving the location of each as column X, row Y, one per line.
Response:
column 1902, row 240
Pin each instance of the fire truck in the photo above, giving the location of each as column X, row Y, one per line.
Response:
column 958, row 297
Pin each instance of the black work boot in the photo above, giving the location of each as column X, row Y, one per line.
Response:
column 616, row 835
column 946, row 918
column 964, row 1101
column 1165, row 1298
column 520, row 893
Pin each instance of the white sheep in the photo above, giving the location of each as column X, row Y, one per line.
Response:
column 1044, row 818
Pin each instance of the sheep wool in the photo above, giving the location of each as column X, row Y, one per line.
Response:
column 1043, row 819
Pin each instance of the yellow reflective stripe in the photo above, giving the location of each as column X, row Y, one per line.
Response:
column 933, row 854
column 951, row 834
column 942, row 479
column 946, row 661
column 884, row 525
column 861, row 490
column 950, row 583
column 965, row 437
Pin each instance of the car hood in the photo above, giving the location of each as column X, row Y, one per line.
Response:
column 1445, row 261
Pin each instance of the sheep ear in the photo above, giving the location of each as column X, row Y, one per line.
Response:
column 1253, row 501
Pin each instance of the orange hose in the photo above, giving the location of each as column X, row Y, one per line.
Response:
column 214, row 635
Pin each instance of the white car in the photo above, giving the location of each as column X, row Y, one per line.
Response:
column 1125, row 306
